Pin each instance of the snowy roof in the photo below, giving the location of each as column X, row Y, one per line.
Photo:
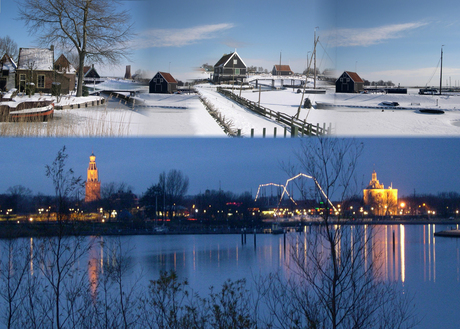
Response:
column 40, row 58
column 224, row 59
column 354, row 76
column 281, row 68
column 8, row 63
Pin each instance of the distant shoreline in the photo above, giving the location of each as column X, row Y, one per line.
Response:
column 49, row 229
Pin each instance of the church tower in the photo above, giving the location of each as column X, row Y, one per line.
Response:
column 93, row 186
column 381, row 201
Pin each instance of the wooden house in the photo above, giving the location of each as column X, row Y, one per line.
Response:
column 36, row 68
column 230, row 69
column 90, row 75
column 63, row 66
column 7, row 73
column 349, row 82
column 163, row 83
column 281, row 70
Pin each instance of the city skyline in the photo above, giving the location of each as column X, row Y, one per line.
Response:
column 427, row 166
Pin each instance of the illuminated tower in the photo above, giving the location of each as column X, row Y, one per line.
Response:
column 381, row 201
column 93, row 186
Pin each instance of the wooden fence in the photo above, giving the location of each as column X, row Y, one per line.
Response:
column 298, row 127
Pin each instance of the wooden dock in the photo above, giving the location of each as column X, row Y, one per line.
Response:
column 298, row 127
column 80, row 105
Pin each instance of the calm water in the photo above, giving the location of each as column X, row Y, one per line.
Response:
column 423, row 265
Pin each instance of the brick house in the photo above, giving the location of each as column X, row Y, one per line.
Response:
column 62, row 65
column 36, row 67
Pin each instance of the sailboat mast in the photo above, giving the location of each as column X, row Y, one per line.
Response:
column 440, row 79
column 314, row 65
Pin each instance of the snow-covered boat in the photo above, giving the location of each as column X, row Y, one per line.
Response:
column 28, row 111
column 390, row 103
column 324, row 105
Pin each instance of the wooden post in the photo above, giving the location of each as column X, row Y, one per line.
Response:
column 274, row 132
column 260, row 91
column 252, row 132
column 329, row 130
column 294, row 131
column 239, row 133
column 263, row 132
column 285, row 132
column 317, row 129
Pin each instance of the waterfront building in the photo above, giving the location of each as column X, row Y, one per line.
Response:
column 93, row 185
column 378, row 200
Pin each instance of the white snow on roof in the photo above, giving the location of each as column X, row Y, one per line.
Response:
column 40, row 58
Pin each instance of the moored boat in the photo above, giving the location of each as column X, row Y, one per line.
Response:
column 28, row 111
column 431, row 111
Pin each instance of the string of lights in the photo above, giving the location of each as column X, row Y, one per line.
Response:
column 285, row 190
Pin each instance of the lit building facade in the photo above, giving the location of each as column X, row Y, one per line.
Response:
column 379, row 200
column 93, row 185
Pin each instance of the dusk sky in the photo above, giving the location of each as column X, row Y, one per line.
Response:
column 391, row 40
column 426, row 165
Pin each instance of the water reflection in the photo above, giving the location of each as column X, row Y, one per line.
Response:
column 406, row 254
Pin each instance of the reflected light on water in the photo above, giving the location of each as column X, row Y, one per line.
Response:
column 402, row 243
column 31, row 256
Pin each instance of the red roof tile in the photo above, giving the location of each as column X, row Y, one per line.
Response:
column 354, row 76
column 281, row 68
column 168, row 77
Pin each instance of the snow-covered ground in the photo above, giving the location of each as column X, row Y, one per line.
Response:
column 347, row 121
column 185, row 115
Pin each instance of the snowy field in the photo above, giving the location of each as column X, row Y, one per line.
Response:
column 184, row 115
column 347, row 121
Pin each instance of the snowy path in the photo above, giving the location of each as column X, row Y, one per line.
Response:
column 241, row 117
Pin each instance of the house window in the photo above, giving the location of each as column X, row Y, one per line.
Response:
column 235, row 62
column 22, row 77
column 41, row 81
column 237, row 71
column 5, row 73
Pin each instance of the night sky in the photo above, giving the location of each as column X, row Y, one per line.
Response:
column 428, row 165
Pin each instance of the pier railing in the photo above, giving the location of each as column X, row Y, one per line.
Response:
column 298, row 127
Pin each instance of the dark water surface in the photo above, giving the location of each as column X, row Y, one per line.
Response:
column 423, row 265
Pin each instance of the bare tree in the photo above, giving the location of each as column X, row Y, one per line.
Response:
column 10, row 47
column 13, row 274
column 174, row 185
column 95, row 29
column 337, row 268
column 60, row 254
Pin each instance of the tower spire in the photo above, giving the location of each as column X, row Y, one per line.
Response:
column 93, row 185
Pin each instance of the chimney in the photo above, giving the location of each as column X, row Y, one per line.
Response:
column 52, row 48
column 128, row 72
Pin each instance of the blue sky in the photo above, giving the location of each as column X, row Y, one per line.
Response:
column 388, row 40
column 183, row 35
column 426, row 165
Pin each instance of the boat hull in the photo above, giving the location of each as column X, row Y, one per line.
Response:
column 27, row 111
